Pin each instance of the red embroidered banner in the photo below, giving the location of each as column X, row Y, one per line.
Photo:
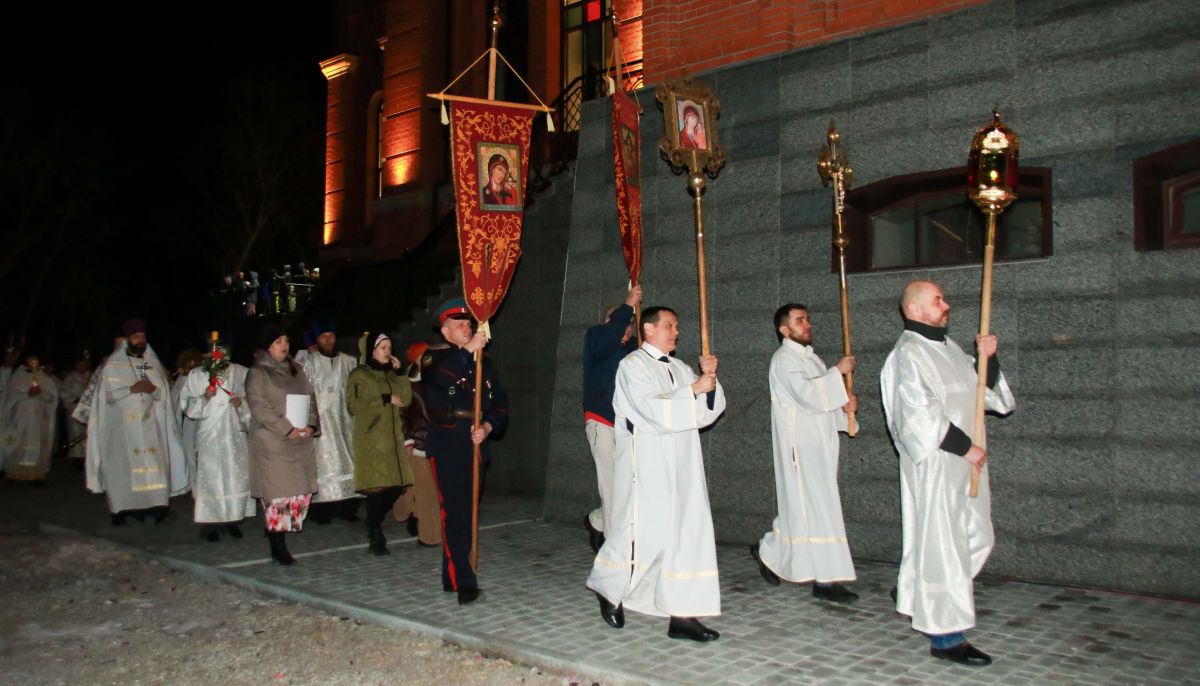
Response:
column 489, row 154
column 627, row 146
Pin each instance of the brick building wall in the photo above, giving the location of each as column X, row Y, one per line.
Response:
column 701, row 35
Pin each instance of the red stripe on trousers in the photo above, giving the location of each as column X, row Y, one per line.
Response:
column 442, row 510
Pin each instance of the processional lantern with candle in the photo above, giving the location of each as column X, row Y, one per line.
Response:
column 992, row 173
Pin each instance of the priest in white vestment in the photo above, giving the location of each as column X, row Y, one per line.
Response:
column 83, row 408
column 30, row 409
column 221, row 480
column 134, row 453
column 928, row 389
column 70, row 391
column 660, row 557
column 809, row 406
column 185, row 363
column 328, row 372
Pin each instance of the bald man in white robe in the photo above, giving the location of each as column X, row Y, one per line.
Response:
column 928, row 389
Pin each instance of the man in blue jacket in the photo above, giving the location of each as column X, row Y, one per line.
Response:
column 604, row 346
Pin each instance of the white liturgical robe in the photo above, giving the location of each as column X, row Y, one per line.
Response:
column 187, row 426
column 70, row 391
column 27, row 440
column 925, row 385
column 335, row 461
column 807, row 541
column 221, row 480
column 660, row 557
column 134, row 454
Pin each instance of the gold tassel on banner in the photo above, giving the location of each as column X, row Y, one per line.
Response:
column 549, row 122
column 445, row 115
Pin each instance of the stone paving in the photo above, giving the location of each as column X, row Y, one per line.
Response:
column 536, row 609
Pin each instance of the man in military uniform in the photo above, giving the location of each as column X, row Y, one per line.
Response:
column 450, row 386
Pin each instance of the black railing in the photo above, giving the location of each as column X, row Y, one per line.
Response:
column 552, row 151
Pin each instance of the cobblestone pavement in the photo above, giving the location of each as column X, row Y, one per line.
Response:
column 536, row 609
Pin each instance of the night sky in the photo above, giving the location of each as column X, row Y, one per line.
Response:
column 128, row 134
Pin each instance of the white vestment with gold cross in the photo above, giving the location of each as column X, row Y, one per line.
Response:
column 134, row 452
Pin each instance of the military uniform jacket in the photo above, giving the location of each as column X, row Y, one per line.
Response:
column 450, row 388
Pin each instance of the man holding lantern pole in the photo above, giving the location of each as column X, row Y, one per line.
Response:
column 928, row 389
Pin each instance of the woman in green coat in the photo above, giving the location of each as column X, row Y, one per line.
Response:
column 377, row 392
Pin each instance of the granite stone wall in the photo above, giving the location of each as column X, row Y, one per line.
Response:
column 1095, row 477
column 525, row 341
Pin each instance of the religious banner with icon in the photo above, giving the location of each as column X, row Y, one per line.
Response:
column 489, row 154
column 627, row 163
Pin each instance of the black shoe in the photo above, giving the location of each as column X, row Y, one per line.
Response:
column 834, row 593
column 119, row 520
column 770, row 577
column 468, row 596
column 691, row 629
column 411, row 526
column 139, row 515
column 378, row 544
column 964, row 654
column 613, row 616
column 595, row 536
column 212, row 535
column 279, row 551
column 161, row 514
column 234, row 530
column 892, row 595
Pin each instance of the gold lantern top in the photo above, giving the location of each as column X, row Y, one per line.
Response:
column 992, row 167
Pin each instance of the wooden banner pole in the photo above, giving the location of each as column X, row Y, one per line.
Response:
column 696, row 185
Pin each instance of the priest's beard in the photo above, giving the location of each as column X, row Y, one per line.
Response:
column 332, row 352
column 801, row 338
column 136, row 350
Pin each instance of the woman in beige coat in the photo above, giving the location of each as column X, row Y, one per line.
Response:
column 283, row 459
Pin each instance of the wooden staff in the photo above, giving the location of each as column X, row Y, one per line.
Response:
column 985, row 319
column 696, row 185
column 834, row 169
column 483, row 326
column 991, row 184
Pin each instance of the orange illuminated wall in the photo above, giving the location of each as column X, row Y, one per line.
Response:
column 705, row 34
column 403, row 90
column 338, row 73
column 629, row 26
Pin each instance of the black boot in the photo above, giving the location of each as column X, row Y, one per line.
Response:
column 378, row 505
column 118, row 519
column 233, row 530
column 279, row 551
column 209, row 533
column 411, row 525
column 378, row 541
column 161, row 513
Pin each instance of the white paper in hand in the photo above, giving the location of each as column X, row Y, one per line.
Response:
column 297, row 410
